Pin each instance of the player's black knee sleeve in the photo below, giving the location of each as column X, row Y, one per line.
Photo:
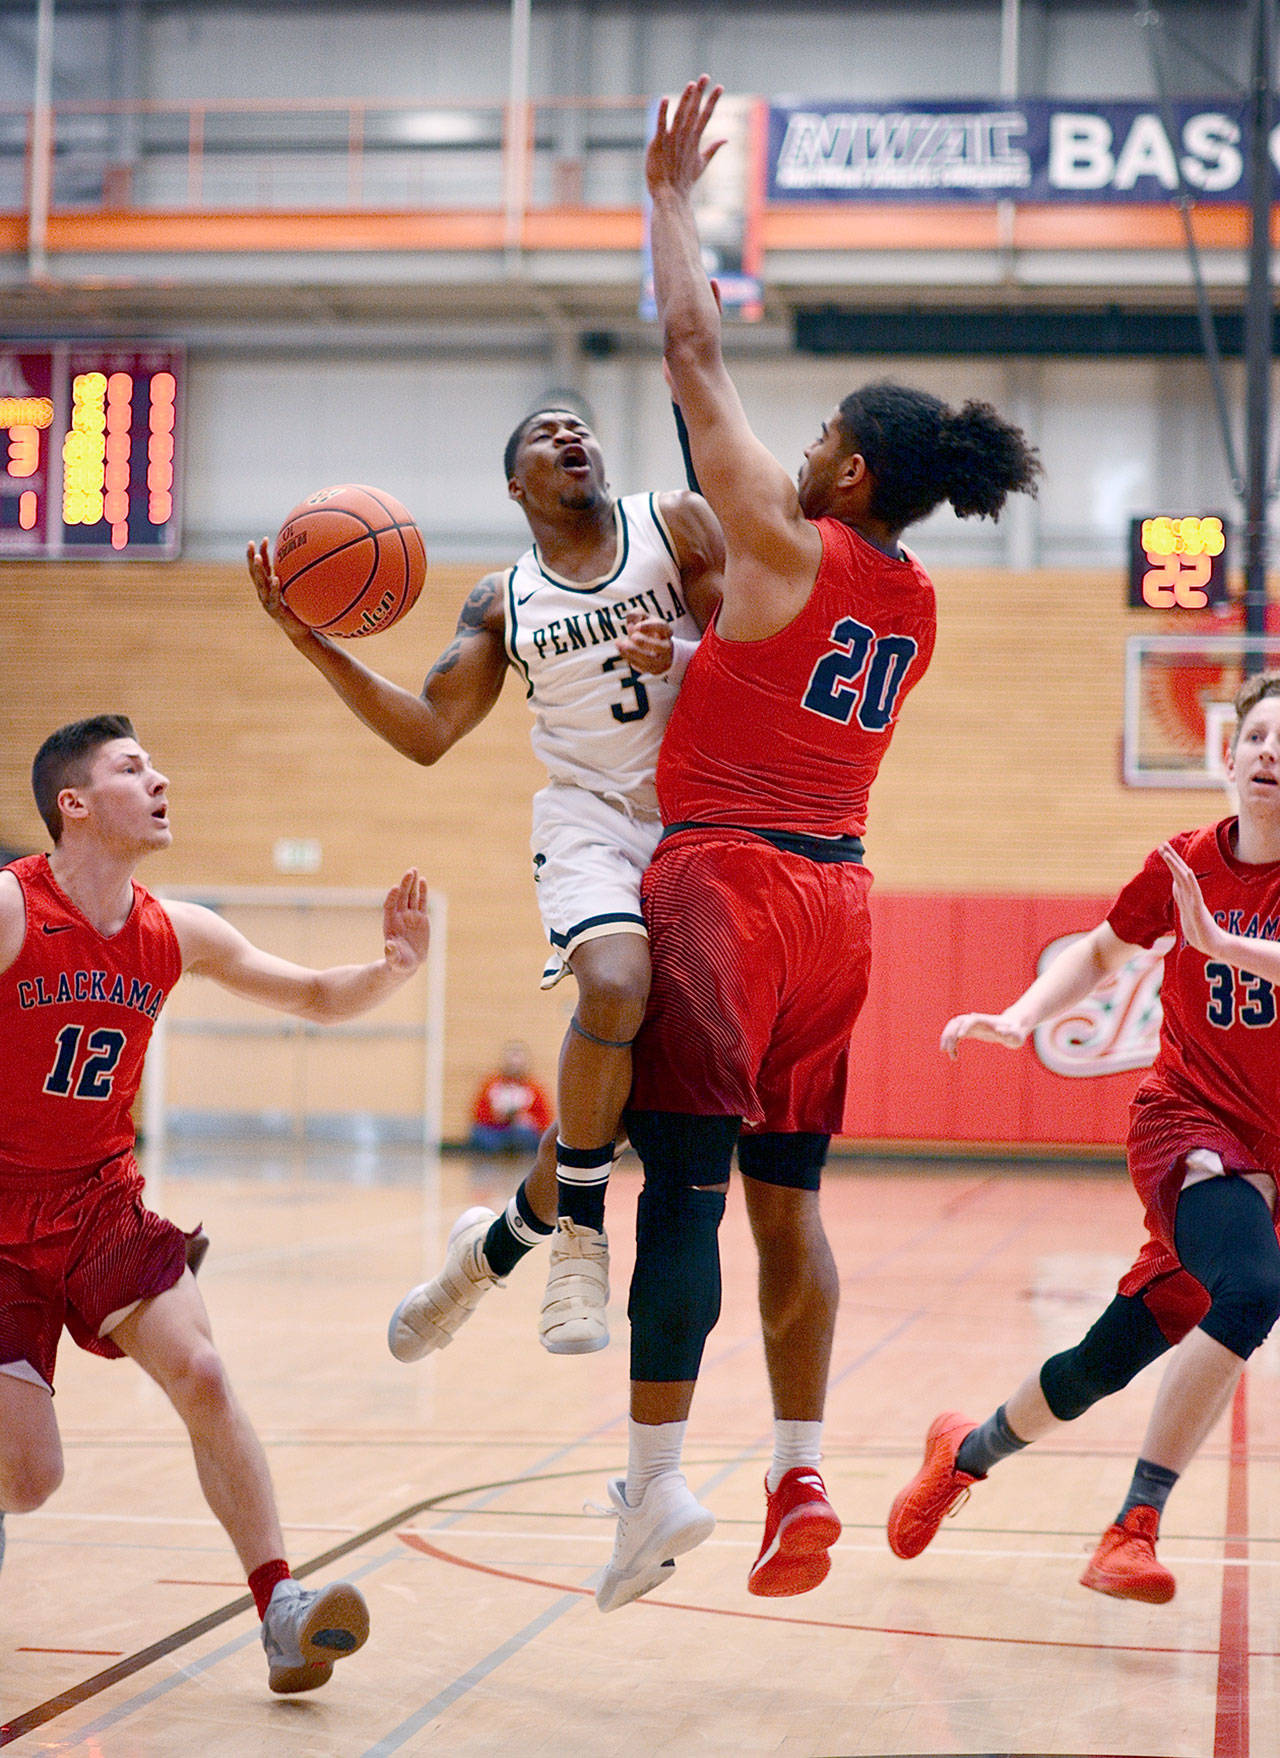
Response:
column 1121, row 1343
column 675, row 1290
column 1226, row 1237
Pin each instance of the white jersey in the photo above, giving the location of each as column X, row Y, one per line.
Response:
column 597, row 723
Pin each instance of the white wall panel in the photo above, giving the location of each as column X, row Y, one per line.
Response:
column 440, row 52
column 263, row 434
column 1117, row 438
column 878, row 48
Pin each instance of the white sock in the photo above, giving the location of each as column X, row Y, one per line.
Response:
column 652, row 1450
column 794, row 1443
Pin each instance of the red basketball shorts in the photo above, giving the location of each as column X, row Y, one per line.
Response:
column 760, row 967
column 76, row 1247
column 1163, row 1130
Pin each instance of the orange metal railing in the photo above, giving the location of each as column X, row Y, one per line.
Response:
column 486, row 174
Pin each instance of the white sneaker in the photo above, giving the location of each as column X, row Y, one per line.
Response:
column 304, row 1632
column 574, row 1320
column 430, row 1314
column 669, row 1521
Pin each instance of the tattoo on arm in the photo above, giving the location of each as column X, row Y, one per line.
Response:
column 479, row 605
column 446, row 662
column 473, row 619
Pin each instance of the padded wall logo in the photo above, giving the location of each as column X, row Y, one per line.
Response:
column 1115, row 1028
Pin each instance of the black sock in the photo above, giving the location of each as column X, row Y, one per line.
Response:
column 514, row 1233
column 1149, row 1489
column 990, row 1442
column 582, row 1177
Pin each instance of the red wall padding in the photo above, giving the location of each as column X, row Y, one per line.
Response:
column 935, row 956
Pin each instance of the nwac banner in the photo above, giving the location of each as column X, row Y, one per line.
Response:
column 984, row 150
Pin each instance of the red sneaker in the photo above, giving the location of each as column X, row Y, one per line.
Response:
column 1124, row 1564
column 935, row 1491
column 799, row 1529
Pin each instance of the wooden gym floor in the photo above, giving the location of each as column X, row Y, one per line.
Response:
column 457, row 1494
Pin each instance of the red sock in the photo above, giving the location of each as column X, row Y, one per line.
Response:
column 264, row 1581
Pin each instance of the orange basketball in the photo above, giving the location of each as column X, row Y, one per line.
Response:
column 350, row 560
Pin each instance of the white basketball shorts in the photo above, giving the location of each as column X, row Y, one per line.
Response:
column 588, row 859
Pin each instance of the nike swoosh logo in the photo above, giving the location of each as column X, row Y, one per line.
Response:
column 62, row 928
column 526, row 598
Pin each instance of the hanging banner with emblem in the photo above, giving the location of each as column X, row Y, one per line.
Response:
column 1030, row 150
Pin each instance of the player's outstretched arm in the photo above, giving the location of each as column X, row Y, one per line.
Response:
column 700, row 553
column 1074, row 973
column 1260, row 957
column 460, row 690
column 773, row 551
column 211, row 947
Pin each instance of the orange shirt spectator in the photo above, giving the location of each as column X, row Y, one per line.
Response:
column 511, row 1110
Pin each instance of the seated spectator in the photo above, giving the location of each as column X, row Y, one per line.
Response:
column 511, row 1110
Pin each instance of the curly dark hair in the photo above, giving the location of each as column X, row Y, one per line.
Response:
column 920, row 453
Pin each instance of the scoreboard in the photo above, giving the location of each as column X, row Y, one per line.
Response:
column 90, row 449
column 1177, row 562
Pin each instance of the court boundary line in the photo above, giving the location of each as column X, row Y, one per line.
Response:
column 415, row 1541
column 1231, row 1716
column 42, row 1713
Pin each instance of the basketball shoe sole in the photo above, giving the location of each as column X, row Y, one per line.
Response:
column 935, row 1491
column 668, row 1521
column 430, row 1315
column 799, row 1530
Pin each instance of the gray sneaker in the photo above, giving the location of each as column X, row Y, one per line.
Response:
column 304, row 1632
column 429, row 1315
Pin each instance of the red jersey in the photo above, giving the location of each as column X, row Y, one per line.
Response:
column 1217, row 1051
column 505, row 1100
column 788, row 733
column 76, row 1012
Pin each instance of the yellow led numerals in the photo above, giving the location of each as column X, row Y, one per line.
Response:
column 84, row 451
column 1181, row 553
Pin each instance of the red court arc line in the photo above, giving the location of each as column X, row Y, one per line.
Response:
column 107, row 1651
column 1231, row 1725
column 415, row 1541
column 41, row 1713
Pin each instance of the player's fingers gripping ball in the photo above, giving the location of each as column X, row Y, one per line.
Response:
column 350, row 560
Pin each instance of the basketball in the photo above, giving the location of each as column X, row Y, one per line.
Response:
column 350, row 560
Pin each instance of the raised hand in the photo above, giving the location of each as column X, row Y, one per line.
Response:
column 676, row 157
column 1198, row 927
column 406, row 927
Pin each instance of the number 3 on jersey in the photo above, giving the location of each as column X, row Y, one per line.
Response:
column 96, row 1071
column 862, row 672
column 630, row 682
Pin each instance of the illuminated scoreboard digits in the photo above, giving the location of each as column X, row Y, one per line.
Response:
column 91, row 460
column 1178, row 563
column 26, row 426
